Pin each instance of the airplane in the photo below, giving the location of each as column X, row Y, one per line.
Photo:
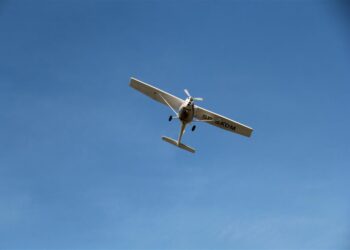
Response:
column 187, row 112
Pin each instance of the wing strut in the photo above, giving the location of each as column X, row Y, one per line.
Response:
column 197, row 120
column 168, row 104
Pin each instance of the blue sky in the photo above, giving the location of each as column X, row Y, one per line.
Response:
column 82, row 164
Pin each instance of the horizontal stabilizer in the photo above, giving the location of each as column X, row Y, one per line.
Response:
column 174, row 142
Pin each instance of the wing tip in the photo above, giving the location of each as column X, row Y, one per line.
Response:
column 250, row 133
column 133, row 81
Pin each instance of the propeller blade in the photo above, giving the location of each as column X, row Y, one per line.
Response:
column 198, row 99
column 187, row 93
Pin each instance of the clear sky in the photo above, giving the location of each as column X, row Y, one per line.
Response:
column 82, row 164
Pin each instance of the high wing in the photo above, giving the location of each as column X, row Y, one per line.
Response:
column 157, row 94
column 221, row 121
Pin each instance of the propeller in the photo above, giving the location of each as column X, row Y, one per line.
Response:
column 193, row 98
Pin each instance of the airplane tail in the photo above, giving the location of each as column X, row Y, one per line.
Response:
column 180, row 145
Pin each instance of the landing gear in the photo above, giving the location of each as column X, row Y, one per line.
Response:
column 170, row 118
column 193, row 128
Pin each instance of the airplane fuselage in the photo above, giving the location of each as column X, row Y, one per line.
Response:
column 186, row 111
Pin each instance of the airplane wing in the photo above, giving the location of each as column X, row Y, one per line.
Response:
column 222, row 121
column 157, row 94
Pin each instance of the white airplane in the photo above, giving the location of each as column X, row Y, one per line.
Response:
column 187, row 112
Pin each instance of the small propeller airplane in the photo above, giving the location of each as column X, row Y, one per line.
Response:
column 187, row 112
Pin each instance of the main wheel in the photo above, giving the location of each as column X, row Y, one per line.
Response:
column 193, row 127
column 170, row 118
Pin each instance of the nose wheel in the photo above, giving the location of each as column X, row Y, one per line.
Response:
column 170, row 118
column 193, row 128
